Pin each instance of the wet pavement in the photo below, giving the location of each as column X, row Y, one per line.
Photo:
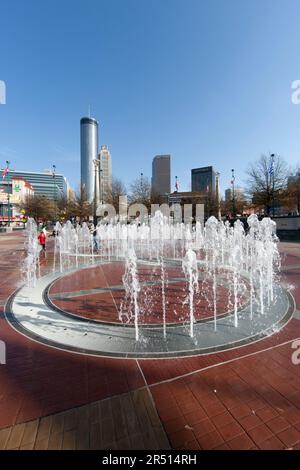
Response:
column 244, row 398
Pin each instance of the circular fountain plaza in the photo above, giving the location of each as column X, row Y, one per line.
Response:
column 159, row 289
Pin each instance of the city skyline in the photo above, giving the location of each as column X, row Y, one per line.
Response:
column 205, row 102
column 149, row 230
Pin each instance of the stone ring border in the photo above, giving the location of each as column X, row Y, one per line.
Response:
column 21, row 328
column 48, row 301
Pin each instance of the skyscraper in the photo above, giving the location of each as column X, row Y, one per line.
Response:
column 88, row 150
column 161, row 175
column 204, row 179
column 105, row 172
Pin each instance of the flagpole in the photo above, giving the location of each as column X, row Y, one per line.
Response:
column 54, row 192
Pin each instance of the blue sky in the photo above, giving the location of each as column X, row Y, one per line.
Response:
column 207, row 81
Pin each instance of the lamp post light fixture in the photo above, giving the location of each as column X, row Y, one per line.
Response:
column 54, row 192
column 273, row 182
column 97, row 189
column 218, row 195
column 8, row 209
column 8, row 197
column 233, row 193
column 101, row 185
column 177, row 197
column 142, row 195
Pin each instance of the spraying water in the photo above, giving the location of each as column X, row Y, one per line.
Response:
column 225, row 257
column 132, row 289
column 190, row 269
column 163, row 294
column 31, row 262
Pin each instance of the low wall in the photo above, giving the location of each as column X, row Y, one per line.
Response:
column 287, row 223
column 288, row 235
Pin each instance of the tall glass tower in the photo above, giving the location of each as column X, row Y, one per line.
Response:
column 105, row 172
column 89, row 152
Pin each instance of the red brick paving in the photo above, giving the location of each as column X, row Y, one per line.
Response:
column 105, row 306
column 259, row 416
column 246, row 398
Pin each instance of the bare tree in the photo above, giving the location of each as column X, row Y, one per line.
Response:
column 39, row 207
column 117, row 189
column 80, row 206
column 62, row 208
column 266, row 179
column 238, row 206
column 140, row 192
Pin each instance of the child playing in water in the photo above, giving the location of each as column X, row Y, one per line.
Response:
column 42, row 240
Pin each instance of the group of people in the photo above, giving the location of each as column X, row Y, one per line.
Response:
column 43, row 236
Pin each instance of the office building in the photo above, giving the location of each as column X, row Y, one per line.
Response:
column 89, row 152
column 43, row 182
column 105, row 173
column 161, row 175
column 204, row 180
column 13, row 192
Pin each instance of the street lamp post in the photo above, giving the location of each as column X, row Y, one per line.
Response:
column 8, row 198
column 54, row 192
column 273, row 182
column 233, row 194
column 142, row 194
column 97, row 189
column 218, row 195
column 101, row 185
column 8, row 209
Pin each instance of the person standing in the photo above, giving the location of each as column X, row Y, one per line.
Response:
column 42, row 240
column 96, row 240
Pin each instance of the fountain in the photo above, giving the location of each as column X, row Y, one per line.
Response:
column 213, row 255
column 132, row 288
column 163, row 294
column 31, row 265
column 190, row 269
column 145, row 283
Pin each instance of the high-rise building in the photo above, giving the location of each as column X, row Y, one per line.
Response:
column 161, row 175
column 43, row 182
column 105, row 172
column 204, row 180
column 89, row 151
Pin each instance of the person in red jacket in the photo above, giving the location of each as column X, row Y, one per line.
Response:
column 42, row 240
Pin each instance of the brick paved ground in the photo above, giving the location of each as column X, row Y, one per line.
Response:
column 123, row 422
column 245, row 398
column 70, row 294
